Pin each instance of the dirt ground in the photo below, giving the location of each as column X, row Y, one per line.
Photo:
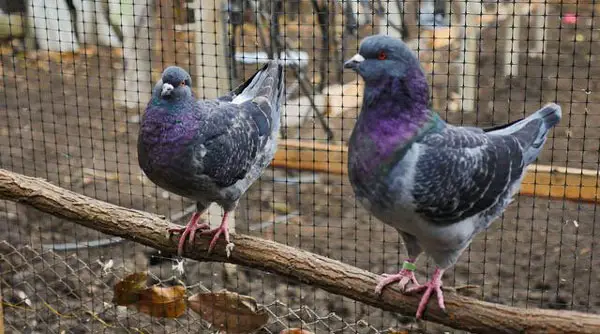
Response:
column 57, row 121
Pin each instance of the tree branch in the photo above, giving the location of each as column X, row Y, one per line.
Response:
column 331, row 275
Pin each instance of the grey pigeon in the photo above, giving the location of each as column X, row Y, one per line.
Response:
column 210, row 150
column 437, row 184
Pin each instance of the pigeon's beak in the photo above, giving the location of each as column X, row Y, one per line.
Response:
column 354, row 62
column 167, row 88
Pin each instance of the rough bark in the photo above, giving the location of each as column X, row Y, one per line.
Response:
column 331, row 275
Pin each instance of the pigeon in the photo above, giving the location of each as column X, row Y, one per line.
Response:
column 210, row 150
column 437, row 184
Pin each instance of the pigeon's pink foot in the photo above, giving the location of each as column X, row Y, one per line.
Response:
column 223, row 229
column 406, row 275
column 435, row 284
column 188, row 230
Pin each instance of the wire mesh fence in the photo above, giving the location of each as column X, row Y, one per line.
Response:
column 77, row 75
column 60, row 293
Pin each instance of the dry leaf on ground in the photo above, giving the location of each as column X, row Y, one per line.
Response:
column 295, row 331
column 127, row 291
column 229, row 311
column 163, row 302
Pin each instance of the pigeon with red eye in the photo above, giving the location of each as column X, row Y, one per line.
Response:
column 210, row 151
column 437, row 184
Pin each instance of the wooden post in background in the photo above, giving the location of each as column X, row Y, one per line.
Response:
column 165, row 15
column 133, row 85
column 212, row 77
column 211, row 65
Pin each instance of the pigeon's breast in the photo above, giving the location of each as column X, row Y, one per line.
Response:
column 165, row 149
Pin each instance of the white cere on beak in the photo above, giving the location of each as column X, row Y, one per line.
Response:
column 357, row 58
column 167, row 88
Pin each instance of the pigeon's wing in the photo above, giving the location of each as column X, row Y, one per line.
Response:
column 461, row 173
column 229, row 139
column 238, row 126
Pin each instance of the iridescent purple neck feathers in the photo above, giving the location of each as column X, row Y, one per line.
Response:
column 409, row 93
column 394, row 111
column 166, row 131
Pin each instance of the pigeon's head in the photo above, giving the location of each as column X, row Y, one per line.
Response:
column 175, row 83
column 382, row 56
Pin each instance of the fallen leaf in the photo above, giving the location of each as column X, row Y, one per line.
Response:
column 295, row 331
column 229, row 311
column 164, row 302
column 127, row 291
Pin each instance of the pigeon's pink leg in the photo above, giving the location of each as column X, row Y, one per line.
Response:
column 406, row 275
column 189, row 229
column 435, row 284
column 223, row 228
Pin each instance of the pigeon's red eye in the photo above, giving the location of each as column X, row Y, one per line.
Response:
column 381, row 55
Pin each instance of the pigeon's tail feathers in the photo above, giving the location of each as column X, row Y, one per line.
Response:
column 551, row 114
column 267, row 82
column 532, row 131
column 273, row 87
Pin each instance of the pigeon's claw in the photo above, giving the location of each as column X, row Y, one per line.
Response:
column 403, row 278
column 434, row 285
column 223, row 229
column 203, row 226
column 188, row 230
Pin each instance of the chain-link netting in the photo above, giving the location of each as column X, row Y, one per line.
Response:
column 77, row 75
column 62, row 293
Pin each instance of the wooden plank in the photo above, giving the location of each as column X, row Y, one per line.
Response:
column 314, row 156
column 561, row 183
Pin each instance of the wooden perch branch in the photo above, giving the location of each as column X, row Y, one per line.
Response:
column 333, row 276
